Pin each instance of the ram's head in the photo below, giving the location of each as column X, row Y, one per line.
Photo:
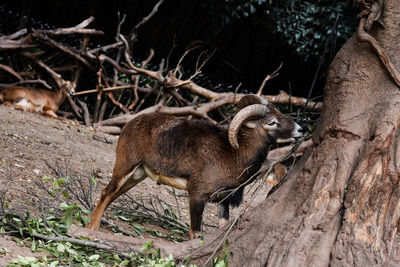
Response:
column 256, row 112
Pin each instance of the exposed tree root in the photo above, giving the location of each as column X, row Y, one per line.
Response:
column 368, row 16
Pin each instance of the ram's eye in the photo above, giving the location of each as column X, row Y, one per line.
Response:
column 272, row 123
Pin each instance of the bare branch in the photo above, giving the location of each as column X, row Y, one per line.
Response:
column 68, row 50
column 201, row 110
column 172, row 81
column 16, row 45
column 13, row 35
column 136, row 87
column 109, row 129
column 78, row 29
column 115, row 102
column 284, row 99
column 132, row 35
column 74, row 241
column 277, row 153
column 56, row 77
column 147, row 60
column 107, row 89
column 11, row 71
column 100, row 88
column 269, row 77
column 105, row 48
column 86, row 114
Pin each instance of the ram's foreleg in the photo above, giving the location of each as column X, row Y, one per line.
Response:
column 196, row 207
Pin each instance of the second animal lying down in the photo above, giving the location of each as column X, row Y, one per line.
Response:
column 208, row 161
column 36, row 99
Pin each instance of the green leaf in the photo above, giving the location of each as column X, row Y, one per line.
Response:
column 68, row 221
column 85, row 219
column 24, row 260
column 124, row 263
column 139, row 229
column 93, row 180
column 61, row 248
column 123, row 218
column 64, row 205
column 86, row 211
column 46, row 178
column 57, row 183
column 65, row 194
column 147, row 246
column 94, row 257
column 33, row 245
column 202, row 239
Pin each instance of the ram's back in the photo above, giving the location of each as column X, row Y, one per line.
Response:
column 173, row 146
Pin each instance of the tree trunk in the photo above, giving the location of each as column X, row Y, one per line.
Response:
column 340, row 205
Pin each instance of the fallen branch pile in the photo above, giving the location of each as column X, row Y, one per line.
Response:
column 122, row 87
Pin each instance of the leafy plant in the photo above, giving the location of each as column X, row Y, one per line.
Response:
column 153, row 257
column 222, row 260
column 307, row 25
column 303, row 25
column 73, row 211
column 59, row 253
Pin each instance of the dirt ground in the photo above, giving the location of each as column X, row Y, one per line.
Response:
column 28, row 140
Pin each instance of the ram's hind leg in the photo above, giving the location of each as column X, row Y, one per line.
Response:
column 119, row 184
column 223, row 213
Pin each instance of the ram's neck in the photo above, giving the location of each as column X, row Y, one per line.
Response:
column 253, row 149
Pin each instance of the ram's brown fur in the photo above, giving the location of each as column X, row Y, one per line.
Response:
column 194, row 151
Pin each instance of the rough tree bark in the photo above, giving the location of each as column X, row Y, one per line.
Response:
column 340, row 205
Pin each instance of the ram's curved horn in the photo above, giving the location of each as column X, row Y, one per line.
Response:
column 248, row 100
column 256, row 110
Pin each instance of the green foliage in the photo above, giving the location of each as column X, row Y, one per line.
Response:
column 153, row 257
column 175, row 236
column 124, row 77
column 69, row 254
column 74, row 212
column 307, row 25
column 70, row 212
column 143, row 79
column 222, row 260
column 29, row 261
column 65, row 252
column 59, row 253
column 231, row 10
column 35, row 232
column 303, row 25
column 162, row 215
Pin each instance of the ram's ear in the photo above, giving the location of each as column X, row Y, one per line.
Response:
column 251, row 124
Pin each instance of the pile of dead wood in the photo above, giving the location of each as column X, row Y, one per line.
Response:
column 119, row 100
